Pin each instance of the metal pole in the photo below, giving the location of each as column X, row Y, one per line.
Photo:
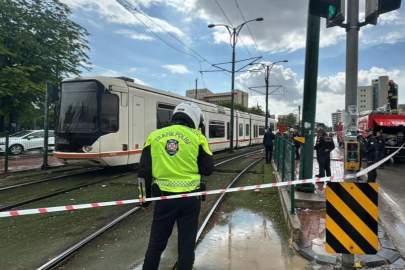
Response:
column 46, row 126
column 299, row 116
column 196, row 80
column 6, row 153
column 309, row 101
column 352, row 57
column 267, row 96
column 292, row 187
column 283, row 160
column 232, row 89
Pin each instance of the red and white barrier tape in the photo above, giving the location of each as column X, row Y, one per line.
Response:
column 194, row 194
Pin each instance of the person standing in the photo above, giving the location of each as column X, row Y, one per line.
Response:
column 393, row 96
column 371, row 152
column 268, row 142
column 380, row 148
column 361, row 141
column 297, row 145
column 316, row 147
column 175, row 157
column 325, row 146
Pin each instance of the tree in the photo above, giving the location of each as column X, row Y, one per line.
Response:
column 289, row 120
column 38, row 43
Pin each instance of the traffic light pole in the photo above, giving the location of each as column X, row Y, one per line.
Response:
column 309, row 101
column 352, row 57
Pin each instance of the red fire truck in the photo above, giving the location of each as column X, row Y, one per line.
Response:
column 392, row 128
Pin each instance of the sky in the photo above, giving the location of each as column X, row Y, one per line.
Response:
column 167, row 45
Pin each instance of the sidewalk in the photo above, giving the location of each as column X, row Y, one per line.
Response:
column 312, row 216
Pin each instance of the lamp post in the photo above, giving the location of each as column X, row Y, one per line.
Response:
column 234, row 33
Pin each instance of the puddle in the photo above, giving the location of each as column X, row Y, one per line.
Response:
column 243, row 239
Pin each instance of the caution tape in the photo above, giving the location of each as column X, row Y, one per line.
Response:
column 194, row 194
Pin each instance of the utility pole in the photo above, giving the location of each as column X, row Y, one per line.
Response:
column 299, row 117
column 196, row 80
column 46, row 126
column 267, row 97
column 232, row 92
column 309, row 101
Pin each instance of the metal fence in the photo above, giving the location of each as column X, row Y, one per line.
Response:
column 284, row 157
column 25, row 150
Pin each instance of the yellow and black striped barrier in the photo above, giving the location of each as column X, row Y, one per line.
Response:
column 352, row 218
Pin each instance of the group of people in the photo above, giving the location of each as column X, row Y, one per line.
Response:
column 373, row 148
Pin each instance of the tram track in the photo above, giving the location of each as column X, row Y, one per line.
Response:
column 60, row 259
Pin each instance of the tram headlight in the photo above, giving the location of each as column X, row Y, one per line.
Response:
column 87, row 148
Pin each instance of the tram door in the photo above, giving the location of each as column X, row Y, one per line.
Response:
column 138, row 128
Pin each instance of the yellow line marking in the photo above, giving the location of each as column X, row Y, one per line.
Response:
column 362, row 199
column 352, row 218
column 342, row 237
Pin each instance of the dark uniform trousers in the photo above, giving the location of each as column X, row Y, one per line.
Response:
column 186, row 212
column 324, row 165
column 269, row 153
column 371, row 175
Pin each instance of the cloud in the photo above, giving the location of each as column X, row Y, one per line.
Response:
column 134, row 35
column 159, row 75
column 137, row 69
column 180, row 69
column 330, row 92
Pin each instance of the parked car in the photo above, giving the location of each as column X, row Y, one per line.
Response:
column 27, row 140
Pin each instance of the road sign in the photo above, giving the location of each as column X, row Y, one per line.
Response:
column 300, row 139
column 282, row 128
column 352, row 218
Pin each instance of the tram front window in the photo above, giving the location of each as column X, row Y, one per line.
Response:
column 78, row 107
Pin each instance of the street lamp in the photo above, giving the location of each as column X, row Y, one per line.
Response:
column 234, row 33
column 266, row 79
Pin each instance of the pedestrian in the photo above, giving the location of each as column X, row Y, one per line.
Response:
column 324, row 146
column 297, row 144
column 268, row 142
column 380, row 148
column 361, row 141
column 393, row 96
column 175, row 157
column 316, row 147
column 371, row 152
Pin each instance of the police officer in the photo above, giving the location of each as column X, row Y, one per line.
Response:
column 393, row 96
column 324, row 146
column 361, row 141
column 371, row 152
column 268, row 141
column 380, row 148
column 175, row 157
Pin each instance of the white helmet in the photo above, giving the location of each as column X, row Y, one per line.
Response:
column 189, row 113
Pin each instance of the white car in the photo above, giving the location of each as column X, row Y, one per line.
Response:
column 27, row 140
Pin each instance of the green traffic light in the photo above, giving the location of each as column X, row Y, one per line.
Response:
column 332, row 12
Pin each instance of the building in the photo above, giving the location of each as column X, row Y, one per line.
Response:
column 365, row 98
column 336, row 118
column 240, row 97
column 401, row 108
column 380, row 88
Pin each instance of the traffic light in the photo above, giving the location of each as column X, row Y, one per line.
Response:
column 352, row 156
column 332, row 10
column 376, row 7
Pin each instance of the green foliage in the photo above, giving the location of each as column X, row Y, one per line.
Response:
column 289, row 120
column 38, row 43
column 254, row 110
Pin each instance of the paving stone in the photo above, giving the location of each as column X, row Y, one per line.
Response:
column 325, row 259
column 298, row 245
column 382, row 235
column 380, row 228
column 398, row 264
column 387, row 244
column 371, row 260
column 388, row 254
column 308, row 253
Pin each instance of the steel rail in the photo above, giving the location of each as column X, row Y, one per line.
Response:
column 207, row 219
column 61, row 258
column 7, row 207
column 47, row 179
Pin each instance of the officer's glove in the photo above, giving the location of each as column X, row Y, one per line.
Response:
column 142, row 193
column 146, row 206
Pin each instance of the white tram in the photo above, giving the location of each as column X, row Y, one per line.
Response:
column 104, row 121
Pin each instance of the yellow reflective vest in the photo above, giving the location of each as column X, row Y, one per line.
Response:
column 174, row 153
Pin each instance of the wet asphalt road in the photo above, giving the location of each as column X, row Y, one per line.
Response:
column 391, row 181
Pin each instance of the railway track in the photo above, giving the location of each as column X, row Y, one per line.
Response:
column 65, row 255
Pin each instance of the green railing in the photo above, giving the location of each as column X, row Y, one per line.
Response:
column 284, row 157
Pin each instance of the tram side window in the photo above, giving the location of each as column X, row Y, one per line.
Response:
column 261, row 130
column 255, row 131
column 164, row 115
column 110, row 113
column 247, row 130
column 216, row 129
column 240, row 130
